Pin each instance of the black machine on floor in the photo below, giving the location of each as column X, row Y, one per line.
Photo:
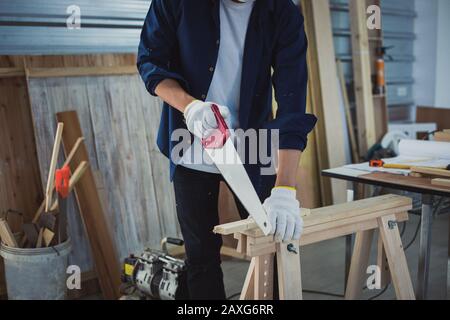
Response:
column 154, row 274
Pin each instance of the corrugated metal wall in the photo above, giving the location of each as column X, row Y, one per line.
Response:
column 398, row 26
column 40, row 26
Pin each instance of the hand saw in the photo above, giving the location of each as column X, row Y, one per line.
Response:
column 220, row 148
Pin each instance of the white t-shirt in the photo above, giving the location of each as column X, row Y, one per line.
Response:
column 226, row 82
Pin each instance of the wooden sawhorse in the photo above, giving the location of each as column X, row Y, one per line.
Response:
column 362, row 217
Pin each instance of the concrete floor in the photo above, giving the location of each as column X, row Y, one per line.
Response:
column 323, row 265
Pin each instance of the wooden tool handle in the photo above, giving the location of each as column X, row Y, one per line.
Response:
column 51, row 172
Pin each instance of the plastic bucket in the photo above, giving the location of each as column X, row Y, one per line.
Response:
column 36, row 274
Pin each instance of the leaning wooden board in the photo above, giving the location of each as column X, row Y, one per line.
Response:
column 362, row 76
column 330, row 135
column 95, row 221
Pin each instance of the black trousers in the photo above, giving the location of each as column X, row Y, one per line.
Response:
column 197, row 195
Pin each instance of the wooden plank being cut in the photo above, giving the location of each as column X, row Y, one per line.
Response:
column 330, row 135
column 102, row 245
column 362, row 76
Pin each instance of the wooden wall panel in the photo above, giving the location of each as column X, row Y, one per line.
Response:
column 20, row 182
column 119, row 119
column 19, row 175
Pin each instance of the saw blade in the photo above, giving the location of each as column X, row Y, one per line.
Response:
column 230, row 166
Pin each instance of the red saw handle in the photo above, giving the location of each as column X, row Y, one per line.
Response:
column 220, row 135
column 62, row 180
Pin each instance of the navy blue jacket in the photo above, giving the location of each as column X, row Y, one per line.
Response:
column 180, row 40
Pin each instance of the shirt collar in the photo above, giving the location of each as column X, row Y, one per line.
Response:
column 270, row 3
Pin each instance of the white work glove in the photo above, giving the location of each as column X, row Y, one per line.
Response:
column 283, row 210
column 200, row 119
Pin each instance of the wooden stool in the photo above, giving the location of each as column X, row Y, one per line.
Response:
column 362, row 217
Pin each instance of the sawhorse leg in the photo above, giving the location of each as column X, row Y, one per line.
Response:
column 424, row 246
column 248, row 290
column 358, row 266
column 360, row 261
column 396, row 259
column 395, row 254
column 264, row 277
column 382, row 263
column 258, row 284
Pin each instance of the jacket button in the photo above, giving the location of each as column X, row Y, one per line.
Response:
column 211, row 69
column 203, row 96
column 218, row 42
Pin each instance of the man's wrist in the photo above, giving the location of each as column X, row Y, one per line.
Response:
column 285, row 180
column 187, row 101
